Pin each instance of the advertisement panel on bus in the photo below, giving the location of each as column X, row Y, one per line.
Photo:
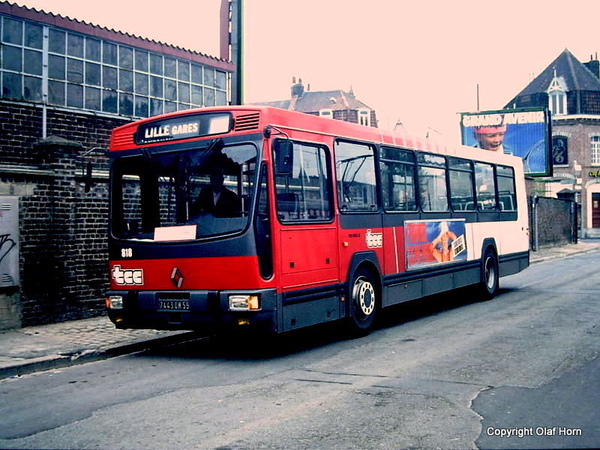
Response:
column 520, row 132
column 431, row 242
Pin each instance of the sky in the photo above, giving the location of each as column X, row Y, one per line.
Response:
column 421, row 62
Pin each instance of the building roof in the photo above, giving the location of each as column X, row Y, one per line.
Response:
column 335, row 100
column 315, row 101
column 58, row 20
column 574, row 75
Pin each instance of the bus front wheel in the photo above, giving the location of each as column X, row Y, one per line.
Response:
column 363, row 303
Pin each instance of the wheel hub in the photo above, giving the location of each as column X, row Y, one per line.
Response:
column 490, row 273
column 365, row 297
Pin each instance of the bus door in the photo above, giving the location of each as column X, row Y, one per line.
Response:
column 398, row 186
column 308, row 258
column 361, row 228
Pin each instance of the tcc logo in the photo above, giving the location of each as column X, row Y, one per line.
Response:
column 374, row 240
column 127, row 276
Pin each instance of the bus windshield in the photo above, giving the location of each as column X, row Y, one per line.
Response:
column 183, row 195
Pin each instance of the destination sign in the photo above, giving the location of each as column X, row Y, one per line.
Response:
column 186, row 127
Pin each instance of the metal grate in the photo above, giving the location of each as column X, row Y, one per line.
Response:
column 247, row 122
column 121, row 139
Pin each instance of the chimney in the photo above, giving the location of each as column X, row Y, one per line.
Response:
column 593, row 65
column 224, row 30
column 297, row 88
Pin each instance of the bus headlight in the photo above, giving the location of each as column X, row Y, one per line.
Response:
column 239, row 302
column 114, row 302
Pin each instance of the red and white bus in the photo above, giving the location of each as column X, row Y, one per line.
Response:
column 264, row 217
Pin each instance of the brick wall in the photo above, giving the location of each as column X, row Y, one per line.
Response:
column 552, row 222
column 63, row 219
column 20, row 129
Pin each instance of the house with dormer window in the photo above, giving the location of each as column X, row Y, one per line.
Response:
column 571, row 92
column 557, row 95
column 338, row 104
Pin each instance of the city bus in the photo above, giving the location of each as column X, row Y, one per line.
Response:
column 248, row 216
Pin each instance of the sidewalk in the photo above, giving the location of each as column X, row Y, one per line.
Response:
column 54, row 346
column 549, row 253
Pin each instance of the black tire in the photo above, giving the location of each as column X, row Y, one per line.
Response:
column 490, row 275
column 364, row 303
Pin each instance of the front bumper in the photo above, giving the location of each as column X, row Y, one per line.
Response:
column 191, row 310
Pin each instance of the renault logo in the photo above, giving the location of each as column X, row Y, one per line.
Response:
column 177, row 277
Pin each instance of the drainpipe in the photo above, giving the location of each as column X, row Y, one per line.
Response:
column 44, row 121
column 237, row 51
column 534, row 210
column 45, row 39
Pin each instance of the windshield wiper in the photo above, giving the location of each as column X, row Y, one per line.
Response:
column 214, row 146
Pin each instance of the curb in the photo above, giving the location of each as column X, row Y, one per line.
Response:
column 559, row 255
column 61, row 361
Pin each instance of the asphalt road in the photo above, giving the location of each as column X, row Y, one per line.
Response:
column 520, row 371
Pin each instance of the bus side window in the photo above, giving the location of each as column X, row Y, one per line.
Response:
column 302, row 190
column 356, row 181
column 398, row 179
column 433, row 191
column 462, row 196
column 486, row 186
column 506, row 188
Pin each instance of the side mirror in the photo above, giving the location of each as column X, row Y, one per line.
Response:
column 284, row 156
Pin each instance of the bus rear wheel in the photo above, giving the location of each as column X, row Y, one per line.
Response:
column 364, row 305
column 490, row 275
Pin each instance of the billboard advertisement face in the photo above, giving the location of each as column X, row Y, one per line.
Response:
column 519, row 132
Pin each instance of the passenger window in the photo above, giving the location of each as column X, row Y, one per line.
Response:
column 462, row 196
column 486, row 187
column 506, row 188
column 303, row 194
column 398, row 180
column 356, row 181
column 433, row 192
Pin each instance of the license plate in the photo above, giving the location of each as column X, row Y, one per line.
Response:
column 173, row 305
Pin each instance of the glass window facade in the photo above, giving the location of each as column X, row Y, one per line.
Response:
column 88, row 73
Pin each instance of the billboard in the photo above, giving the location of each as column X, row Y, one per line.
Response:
column 520, row 132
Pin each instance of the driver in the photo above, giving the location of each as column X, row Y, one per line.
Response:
column 217, row 199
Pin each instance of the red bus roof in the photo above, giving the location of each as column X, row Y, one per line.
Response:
column 249, row 119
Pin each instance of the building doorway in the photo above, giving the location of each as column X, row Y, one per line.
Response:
column 595, row 210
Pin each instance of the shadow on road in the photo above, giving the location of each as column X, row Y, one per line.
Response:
column 251, row 346
column 429, row 306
